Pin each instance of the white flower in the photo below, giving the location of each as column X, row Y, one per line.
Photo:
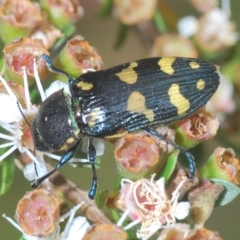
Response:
column 222, row 102
column 213, row 31
column 147, row 203
column 75, row 228
column 14, row 120
column 187, row 26
column 55, row 86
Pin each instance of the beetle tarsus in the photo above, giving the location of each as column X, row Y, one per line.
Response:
column 38, row 182
column 93, row 189
column 191, row 164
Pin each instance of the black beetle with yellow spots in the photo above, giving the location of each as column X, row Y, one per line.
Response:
column 122, row 99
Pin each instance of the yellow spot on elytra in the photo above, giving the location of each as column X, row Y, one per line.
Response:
column 200, row 84
column 94, row 115
column 177, row 99
column 128, row 74
column 165, row 65
column 85, row 86
column 194, row 65
column 136, row 103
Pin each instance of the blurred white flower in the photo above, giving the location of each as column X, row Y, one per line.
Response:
column 222, row 102
column 187, row 26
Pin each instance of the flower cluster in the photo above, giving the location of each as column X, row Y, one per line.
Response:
column 155, row 196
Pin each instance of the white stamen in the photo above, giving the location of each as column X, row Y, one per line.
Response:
column 175, row 193
column 7, row 137
column 9, row 127
column 7, row 144
column 79, row 160
column 25, row 82
column 125, row 181
column 29, row 153
column 74, row 160
column 152, row 230
column 38, row 81
column 130, row 225
column 123, row 217
column 138, row 183
column 8, row 89
column 12, row 222
column 53, row 156
column 8, row 152
column 69, row 223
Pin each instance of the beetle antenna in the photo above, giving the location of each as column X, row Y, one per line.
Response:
column 56, row 70
column 20, row 110
column 34, row 152
column 34, row 163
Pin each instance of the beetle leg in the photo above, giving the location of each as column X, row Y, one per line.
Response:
column 190, row 158
column 64, row 159
column 91, row 157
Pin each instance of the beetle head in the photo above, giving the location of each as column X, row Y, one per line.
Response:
column 55, row 126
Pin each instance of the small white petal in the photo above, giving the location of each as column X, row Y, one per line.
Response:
column 218, row 16
column 78, row 228
column 187, row 26
column 222, row 101
column 98, row 144
column 28, row 237
column 182, row 210
column 29, row 171
column 56, row 86
column 9, row 111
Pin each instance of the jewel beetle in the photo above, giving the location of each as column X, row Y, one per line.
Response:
column 125, row 98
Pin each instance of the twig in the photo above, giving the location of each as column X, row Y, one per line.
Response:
column 76, row 195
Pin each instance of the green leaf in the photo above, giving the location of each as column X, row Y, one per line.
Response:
column 105, row 8
column 7, row 175
column 159, row 22
column 230, row 191
column 101, row 198
column 121, row 35
column 116, row 216
column 68, row 32
column 34, row 94
column 169, row 165
column 131, row 233
column 1, row 64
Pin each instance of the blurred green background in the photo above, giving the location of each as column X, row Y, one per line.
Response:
column 101, row 33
